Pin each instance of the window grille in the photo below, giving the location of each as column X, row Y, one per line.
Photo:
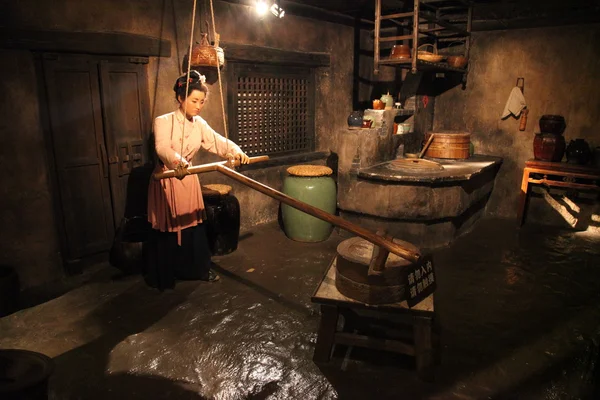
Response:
column 271, row 109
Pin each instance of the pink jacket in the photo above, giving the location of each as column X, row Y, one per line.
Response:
column 175, row 204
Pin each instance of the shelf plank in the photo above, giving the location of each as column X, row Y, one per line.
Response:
column 395, row 38
column 421, row 65
column 399, row 15
column 431, row 18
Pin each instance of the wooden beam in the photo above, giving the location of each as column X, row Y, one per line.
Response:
column 313, row 12
column 395, row 38
column 432, row 18
column 399, row 15
column 122, row 44
column 270, row 55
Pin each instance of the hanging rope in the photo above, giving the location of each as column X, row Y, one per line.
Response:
column 212, row 13
column 187, row 81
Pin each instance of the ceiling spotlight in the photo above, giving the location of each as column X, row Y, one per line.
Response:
column 262, row 7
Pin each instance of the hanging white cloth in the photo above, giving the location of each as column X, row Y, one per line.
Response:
column 515, row 103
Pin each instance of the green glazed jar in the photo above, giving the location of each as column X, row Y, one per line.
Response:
column 311, row 184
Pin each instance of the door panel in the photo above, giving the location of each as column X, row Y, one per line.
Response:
column 83, row 217
column 77, row 135
column 125, row 104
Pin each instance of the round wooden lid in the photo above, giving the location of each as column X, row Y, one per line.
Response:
column 309, row 170
column 215, row 189
column 359, row 250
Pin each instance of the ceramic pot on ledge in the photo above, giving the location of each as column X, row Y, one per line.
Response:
column 355, row 119
column 578, row 152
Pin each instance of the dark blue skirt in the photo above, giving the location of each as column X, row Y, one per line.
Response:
column 166, row 261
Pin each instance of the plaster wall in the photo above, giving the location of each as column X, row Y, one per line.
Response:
column 29, row 229
column 560, row 67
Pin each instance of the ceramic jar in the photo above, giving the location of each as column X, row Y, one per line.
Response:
column 9, row 290
column 127, row 250
column 355, row 119
column 311, row 184
column 552, row 124
column 400, row 51
column 578, row 152
column 548, row 147
column 388, row 100
column 378, row 104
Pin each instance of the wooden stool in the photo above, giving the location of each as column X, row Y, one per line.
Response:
column 555, row 174
column 333, row 303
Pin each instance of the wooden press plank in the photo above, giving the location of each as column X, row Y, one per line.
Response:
column 110, row 43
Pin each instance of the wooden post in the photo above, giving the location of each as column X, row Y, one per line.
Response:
column 523, row 197
column 415, row 36
column 379, row 257
column 376, row 42
column 326, row 334
column 424, row 352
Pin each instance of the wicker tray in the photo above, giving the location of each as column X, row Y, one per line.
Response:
column 429, row 56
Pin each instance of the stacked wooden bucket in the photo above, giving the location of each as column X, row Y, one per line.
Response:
column 449, row 144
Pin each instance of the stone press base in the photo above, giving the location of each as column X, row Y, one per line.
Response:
column 427, row 208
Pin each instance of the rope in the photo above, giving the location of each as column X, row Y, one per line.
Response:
column 212, row 12
column 187, row 81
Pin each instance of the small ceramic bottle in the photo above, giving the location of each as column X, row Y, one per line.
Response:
column 388, row 100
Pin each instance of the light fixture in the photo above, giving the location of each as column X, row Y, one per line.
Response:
column 276, row 10
column 261, row 7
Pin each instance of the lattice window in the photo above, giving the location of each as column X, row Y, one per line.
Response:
column 271, row 109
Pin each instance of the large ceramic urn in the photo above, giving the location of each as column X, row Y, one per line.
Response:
column 549, row 144
column 311, row 184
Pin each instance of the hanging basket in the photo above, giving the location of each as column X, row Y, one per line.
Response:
column 205, row 55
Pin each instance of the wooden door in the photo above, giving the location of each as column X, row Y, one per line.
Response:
column 76, row 129
column 126, row 127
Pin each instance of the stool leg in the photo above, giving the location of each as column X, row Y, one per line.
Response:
column 423, row 347
column 523, row 197
column 326, row 334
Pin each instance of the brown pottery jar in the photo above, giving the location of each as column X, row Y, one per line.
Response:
column 549, row 147
column 552, row 124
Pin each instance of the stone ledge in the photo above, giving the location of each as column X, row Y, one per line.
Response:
column 454, row 171
column 415, row 201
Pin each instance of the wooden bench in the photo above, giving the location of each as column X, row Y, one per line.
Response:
column 555, row 174
column 419, row 342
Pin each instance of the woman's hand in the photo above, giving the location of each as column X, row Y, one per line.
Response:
column 243, row 158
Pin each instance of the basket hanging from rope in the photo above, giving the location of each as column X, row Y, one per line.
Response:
column 206, row 55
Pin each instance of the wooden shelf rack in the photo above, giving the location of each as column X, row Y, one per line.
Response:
column 430, row 21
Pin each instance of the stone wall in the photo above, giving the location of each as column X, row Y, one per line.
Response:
column 29, row 230
column 560, row 67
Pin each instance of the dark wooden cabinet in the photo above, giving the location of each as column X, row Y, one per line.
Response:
column 98, row 127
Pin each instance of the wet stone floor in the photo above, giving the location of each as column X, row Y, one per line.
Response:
column 519, row 314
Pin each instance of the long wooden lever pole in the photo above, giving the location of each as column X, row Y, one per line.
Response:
column 398, row 247
column 206, row 167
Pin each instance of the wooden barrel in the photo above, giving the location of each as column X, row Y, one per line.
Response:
column 352, row 279
column 449, row 144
